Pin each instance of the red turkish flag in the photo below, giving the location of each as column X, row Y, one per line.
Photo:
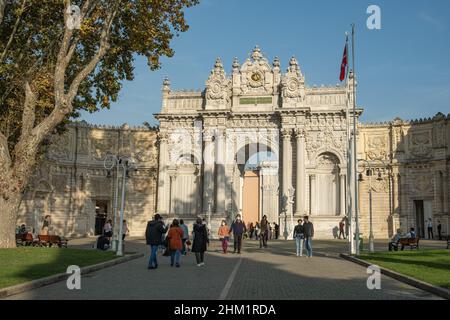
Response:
column 344, row 64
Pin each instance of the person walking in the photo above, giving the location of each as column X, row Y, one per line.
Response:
column 256, row 230
column 185, row 236
column 439, row 229
column 264, row 225
column 174, row 236
column 277, row 230
column 154, row 238
column 251, row 230
column 200, row 234
column 238, row 229
column 308, row 231
column 125, row 230
column 224, row 235
column 342, row 228
column 299, row 237
column 430, row 229
column 107, row 229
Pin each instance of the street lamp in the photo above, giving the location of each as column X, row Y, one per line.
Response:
column 369, row 172
column 109, row 163
column 127, row 164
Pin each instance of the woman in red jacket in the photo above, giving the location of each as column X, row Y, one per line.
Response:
column 175, row 235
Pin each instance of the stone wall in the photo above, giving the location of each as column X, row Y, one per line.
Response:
column 72, row 180
column 415, row 169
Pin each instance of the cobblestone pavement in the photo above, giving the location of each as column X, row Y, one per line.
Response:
column 272, row 273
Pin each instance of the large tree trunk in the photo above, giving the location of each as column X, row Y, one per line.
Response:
column 9, row 210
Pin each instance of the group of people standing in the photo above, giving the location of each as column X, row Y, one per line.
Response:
column 271, row 230
column 239, row 230
column 175, row 239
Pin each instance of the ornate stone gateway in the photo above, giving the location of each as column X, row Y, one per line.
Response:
column 207, row 137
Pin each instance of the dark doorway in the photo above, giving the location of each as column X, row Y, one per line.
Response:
column 420, row 226
column 101, row 212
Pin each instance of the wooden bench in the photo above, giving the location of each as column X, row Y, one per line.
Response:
column 413, row 243
column 25, row 239
column 50, row 240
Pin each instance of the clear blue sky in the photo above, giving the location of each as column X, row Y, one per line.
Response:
column 403, row 69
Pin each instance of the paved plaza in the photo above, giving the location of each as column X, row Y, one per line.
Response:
column 273, row 273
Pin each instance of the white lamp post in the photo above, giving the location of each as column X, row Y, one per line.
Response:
column 126, row 164
column 369, row 173
column 109, row 163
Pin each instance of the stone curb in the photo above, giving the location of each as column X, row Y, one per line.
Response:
column 34, row 284
column 441, row 292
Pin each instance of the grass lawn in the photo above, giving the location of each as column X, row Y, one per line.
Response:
column 432, row 266
column 27, row 263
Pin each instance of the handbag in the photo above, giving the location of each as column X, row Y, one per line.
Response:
column 166, row 252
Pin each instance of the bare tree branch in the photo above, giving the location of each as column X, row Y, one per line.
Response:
column 13, row 33
column 28, row 115
column 2, row 9
column 104, row 46
column 63, row 101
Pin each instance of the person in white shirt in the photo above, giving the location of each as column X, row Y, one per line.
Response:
column 430, row 229
column 107, row 229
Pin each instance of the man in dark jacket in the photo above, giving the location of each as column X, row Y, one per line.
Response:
column 154, row 237
column 238, row 228
column 308, row 230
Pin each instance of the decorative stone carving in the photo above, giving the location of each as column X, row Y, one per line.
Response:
column 61, row 147
column 376, row 147
column 100, row 147
column 256, row 74
column 380, row 186
column 144, row 150
column 422, row 185
column 218, row 87
column 326, row 139
column 420, row 145
column 327, row 160
column 293, row 84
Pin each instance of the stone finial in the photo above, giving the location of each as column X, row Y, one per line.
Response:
column 235, row 64
column 293, row 66
column 439, row 116
column 218, row 64
column 256, row 54
column 218, row 69
column 276, row 62
column 166, row 84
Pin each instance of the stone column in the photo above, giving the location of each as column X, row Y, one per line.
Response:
column 437, row 192
column 342, row 193
column 300, row 187
column 395, row 193
column 208, row 172
column 445, row 191
column 221, row 178
column 287, row 164
column 163, row 182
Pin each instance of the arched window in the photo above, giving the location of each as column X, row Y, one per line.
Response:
column 325, row 186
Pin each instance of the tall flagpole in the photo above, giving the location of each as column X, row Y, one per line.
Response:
column 349, row 160
column 355, row 162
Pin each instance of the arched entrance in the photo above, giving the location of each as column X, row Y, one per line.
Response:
column 257, row 188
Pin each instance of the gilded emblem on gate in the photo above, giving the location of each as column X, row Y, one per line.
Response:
column 256, row 77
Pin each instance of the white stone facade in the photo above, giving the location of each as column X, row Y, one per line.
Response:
column 205, row 138
column 72, row 180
